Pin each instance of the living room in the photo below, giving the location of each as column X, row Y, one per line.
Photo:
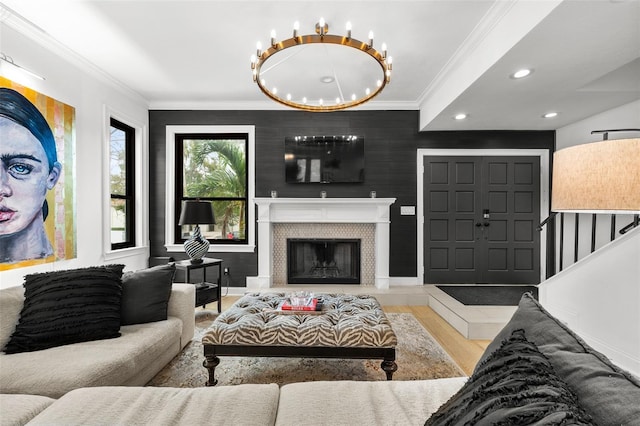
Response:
column 394, row 131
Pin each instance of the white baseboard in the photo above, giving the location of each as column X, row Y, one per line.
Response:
column 403, row 281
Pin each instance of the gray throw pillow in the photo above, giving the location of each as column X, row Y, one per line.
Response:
column 608, row 393
column 145, row 294
column 515, row 385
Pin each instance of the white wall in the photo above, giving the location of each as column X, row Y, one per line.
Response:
column 624, row 117
column 75, row 83
column 599, row 298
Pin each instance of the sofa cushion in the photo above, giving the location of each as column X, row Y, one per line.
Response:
column 11, row 301
column 363, row 403
column 516, row 384
column 606, row 392
column 224, row 405
column 19, row 409
column 63, row 307
column 145, row 294
column 55, row 371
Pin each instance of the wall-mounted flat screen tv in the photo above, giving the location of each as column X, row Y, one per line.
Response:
column 324, row 159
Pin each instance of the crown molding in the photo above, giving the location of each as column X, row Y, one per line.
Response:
column 41, row 37
column 494, row 15
column 268, row 105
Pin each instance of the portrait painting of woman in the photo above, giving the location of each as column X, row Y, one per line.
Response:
column 30, row 170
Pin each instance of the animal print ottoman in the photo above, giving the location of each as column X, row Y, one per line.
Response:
column 349, row 326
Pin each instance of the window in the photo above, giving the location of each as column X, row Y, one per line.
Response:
column 122, row 184
column 213, row 167
column 211, row 163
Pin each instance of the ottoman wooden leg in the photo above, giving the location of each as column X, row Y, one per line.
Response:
column 389, row 367
column 210, row 363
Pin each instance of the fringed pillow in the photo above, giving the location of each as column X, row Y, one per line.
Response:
column 69, row 306
column 515, row 385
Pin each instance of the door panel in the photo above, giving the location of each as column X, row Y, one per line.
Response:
column 452, row 200
column 480, row 219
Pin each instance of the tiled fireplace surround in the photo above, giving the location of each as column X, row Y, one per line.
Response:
column 366, row 219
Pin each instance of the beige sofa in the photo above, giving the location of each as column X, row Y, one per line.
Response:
column 607, row 394
column 132, row 359
column 311, row 403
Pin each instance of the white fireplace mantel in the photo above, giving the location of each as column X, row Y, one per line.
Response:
column 321, row 210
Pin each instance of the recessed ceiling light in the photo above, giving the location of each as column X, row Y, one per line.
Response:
column 550, row 115
column 460, row 116
column 327, row 79
column 521, row 73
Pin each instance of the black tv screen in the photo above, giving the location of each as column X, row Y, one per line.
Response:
column 324, row 159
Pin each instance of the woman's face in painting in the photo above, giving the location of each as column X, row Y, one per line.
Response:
column 24, row 177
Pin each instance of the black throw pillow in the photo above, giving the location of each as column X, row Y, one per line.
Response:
column 145, row 294
column 70, row 306
column 515, row 385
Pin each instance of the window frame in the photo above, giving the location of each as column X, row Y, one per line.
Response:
column 130, row 188
column 179, row 182
column 173, row 244
column 141, row 189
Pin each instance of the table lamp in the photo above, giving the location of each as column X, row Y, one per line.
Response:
column 196, row 213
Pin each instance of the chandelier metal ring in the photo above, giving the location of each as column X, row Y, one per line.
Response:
column 321, row 37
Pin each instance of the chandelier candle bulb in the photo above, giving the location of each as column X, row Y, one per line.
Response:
column 384, row 50
column 348, row 29
column 370, row 39
column 296, row 27
column 273, row 38
column 258, row 49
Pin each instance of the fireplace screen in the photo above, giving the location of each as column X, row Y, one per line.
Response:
column 323, row 261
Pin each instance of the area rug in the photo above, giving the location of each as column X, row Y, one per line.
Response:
column 418, row 356
column 488, row 295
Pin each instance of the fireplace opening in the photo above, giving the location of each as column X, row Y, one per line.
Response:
column 323, row 261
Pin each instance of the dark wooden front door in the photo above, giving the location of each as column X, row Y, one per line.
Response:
column 480, row 219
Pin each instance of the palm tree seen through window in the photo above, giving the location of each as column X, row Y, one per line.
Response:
column 213, row 167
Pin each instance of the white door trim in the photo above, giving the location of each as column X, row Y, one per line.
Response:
column 543, row 155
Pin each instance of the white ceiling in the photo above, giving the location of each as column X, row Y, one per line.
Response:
column 449, row 56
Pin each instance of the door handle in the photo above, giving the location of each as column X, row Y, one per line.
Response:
column 478, row 224
column 486, row 224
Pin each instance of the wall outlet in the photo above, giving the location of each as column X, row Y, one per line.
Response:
column 226, row 271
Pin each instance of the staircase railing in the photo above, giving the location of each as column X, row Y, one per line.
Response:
column 578, row 236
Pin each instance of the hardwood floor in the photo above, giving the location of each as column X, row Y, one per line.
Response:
column 464, row 352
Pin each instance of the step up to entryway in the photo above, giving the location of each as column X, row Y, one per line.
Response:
column 473, row 322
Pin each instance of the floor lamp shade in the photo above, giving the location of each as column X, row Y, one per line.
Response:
column 599, row 177
column 196, row 213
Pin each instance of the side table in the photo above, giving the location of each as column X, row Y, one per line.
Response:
column 205, row 292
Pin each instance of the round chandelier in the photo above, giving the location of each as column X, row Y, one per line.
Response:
column 321, row 72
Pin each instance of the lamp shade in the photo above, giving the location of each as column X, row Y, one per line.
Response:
column 599, row 177
column 196, row 212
